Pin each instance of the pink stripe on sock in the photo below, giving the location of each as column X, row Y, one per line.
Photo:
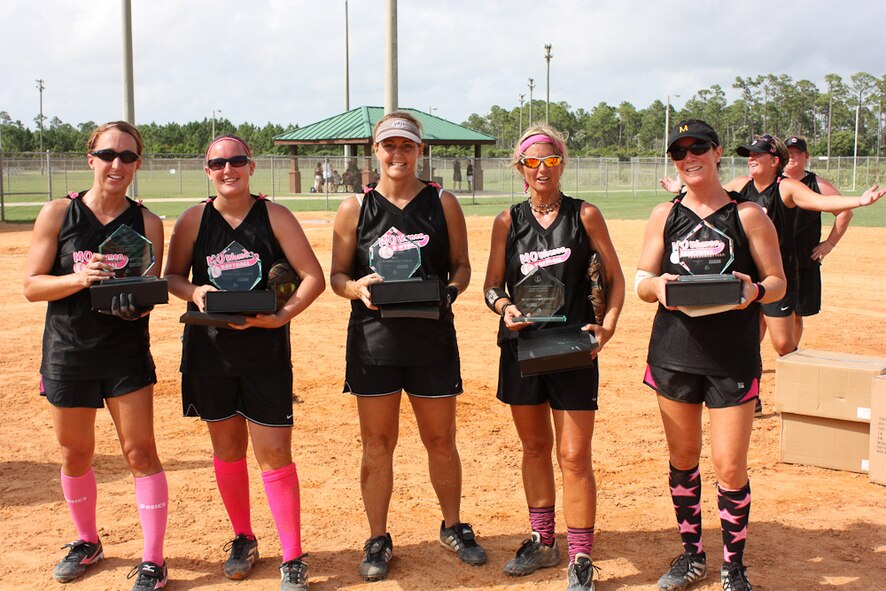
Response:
column 281, row 487
column 80, row 495
column 232, row 479
column 541, row 519
column 580, row 540
column 152, row 496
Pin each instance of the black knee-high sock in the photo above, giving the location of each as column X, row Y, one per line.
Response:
column 735, row 508
column 686, row 494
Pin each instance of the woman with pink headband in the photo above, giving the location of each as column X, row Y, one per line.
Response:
column 557, row 233
column 238, row 379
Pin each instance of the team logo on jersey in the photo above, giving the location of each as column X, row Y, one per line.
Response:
column 81, row 259
column 228, row 260
column 543, row 258
column 394, row 240
column 705, row 249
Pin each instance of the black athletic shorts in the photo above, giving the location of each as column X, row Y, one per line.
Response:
column 264, row 399
column 809, row 296
column 424, row 381
column 714, row 391
column 783, row 307
column 564, row 390
column 92, row 393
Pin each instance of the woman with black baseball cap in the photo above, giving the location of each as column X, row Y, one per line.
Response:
column 711, row 360
column 386, row 355
column 780, row 197
column 810, row 248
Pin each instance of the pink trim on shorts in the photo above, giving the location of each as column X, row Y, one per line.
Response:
column 648, row 379
column 753, row 391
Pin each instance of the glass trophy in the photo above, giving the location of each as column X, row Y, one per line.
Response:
column 396, row 259
column 539, row 296
column 706, row 253
column 235, row 271
column 131, row 256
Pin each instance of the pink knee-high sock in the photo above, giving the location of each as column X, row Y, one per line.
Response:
column 152, row 496
column 232, row 479
column 80, row 494
column 281, row 487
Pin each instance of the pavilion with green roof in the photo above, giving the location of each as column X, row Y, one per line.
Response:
column 354, row 128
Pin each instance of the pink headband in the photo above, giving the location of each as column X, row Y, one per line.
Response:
column 540, row 138
column 233, row 139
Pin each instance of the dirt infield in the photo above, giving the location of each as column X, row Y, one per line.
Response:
column 810, row 528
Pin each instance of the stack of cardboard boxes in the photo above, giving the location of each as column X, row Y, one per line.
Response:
column 833, row 411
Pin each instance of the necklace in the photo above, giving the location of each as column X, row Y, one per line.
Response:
column 545, row 208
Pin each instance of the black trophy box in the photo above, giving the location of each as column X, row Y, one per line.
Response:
column 146, row 291
column 554, row 349
column 407, row 298
column 703, row 290
column 405, row 291
column 216, row 320
column 241, row 302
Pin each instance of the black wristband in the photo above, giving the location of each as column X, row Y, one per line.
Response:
column 761, row 291
column 505, row 307
column 451, row 293
column 493, row 294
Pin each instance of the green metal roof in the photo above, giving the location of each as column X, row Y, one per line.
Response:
column 355, row 127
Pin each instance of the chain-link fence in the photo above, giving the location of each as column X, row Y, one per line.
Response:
column 28, row 180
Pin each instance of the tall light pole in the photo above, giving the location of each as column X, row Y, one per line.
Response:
column 128, row 84
column 548, row 57
column 520, row 131
column 214, row 111
column 391, row 55
column 855, row 150
column 531, row 86
column 667, row 127
column 347, row 76
column 40, row 88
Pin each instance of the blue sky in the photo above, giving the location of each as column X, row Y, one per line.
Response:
column 283, row 60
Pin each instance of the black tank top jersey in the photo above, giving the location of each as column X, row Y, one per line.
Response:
column 77, row 342
column 374, row 340
column 808, row 233
column 563, row 249
column 725, row 344
column 785, row 221
column 214, row 351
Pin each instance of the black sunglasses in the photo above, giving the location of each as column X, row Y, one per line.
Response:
column 679, row 153
column 235, row 161
column 126, row 156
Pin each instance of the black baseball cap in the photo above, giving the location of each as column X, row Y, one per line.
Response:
column 694, row 128
column 797, row 142
column 761, row 145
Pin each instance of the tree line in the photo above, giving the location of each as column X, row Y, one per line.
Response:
column 769, row 103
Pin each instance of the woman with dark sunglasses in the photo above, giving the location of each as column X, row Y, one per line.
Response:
column 238, row 379
column 558, row 233
column 78, row 345
column 417, row 354
column 780, row 197
column 709, row 359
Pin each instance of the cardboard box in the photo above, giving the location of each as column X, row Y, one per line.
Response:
column 826, row 384
column 828, row 443
column 877, row 450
